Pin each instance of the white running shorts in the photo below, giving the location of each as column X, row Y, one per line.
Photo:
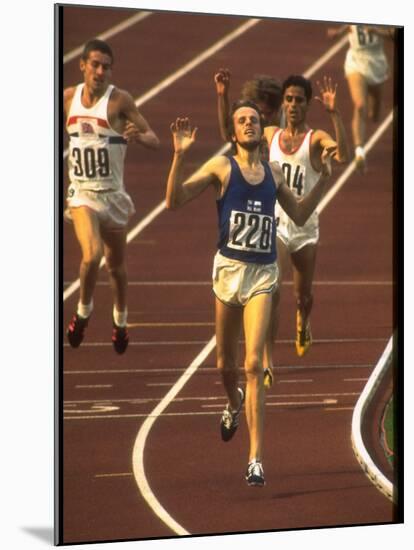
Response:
column 295, row 237
column 235, row 282
column 114, row 208
column 373, row 66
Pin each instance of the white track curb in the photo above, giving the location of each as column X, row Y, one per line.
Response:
column 370, row 469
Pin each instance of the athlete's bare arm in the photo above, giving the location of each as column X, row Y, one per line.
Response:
column 213, row 172
column 300, row 210
column 67, row 99
column 222, row 80
column 329, row 101
column 128, row 112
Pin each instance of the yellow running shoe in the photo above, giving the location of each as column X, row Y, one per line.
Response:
column 268, row 378
column 303, row 336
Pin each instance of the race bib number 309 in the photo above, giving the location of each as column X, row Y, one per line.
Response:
column 250, row 232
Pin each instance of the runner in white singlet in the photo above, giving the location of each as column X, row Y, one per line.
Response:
column 297, row 149
column 366, row 69
column 96, row 114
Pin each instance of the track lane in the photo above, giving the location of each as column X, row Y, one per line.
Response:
column 150, row 245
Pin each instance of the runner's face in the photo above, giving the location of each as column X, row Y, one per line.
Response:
column 295, row 104
column 247, row 128
column 97, row 71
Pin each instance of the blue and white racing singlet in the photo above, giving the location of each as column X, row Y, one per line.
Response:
column 246, row 218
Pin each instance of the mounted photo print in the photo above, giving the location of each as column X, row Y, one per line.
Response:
column 228, row 355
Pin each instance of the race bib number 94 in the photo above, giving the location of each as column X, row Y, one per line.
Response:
column 250, row 232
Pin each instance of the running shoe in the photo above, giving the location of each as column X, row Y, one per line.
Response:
column 230, row 419
column 360, row 162
column 268, row 378
column 76, row 330
column 255, row 474
column 303, row 336
column 120, row 338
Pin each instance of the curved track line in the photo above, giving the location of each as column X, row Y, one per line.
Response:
column 109, row 33
column 138, row 452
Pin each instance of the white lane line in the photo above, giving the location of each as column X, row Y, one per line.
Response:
column 121, row 474
column 303, row 403
column 298, row 381
column 355, row 379
column 163, row 325
column 109, row 33
column 94, row 409
column 325, row 406
column 220, row 44
column 138, row 452
column 159, row 384
column 94, row 386
column 208, row 283
column 326, row 57
column 352, row 167
column 211, row 369
column 140, row 415
column 221, row 398
column 201, row 342
column 291, row 396
column 281, row 404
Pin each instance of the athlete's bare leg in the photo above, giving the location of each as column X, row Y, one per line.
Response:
column 375, row 102
column 256, row 319
column 303, row 263
column 228, row 327
column 86, row 224
column 114, row 250
column 282, row 262
column 358, row 90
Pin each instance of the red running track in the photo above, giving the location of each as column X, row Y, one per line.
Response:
column 313, row 478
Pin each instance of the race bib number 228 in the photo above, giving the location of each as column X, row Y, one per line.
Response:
column 250, row 232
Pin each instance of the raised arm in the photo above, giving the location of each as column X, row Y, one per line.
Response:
column 222, row 80
column 328, row 99
column 140, row 132
column 179, row 191
column 300, row 210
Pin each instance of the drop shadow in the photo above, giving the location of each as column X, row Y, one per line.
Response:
column 42, row 533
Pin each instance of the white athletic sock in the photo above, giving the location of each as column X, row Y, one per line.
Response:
column 360, row 151
column 84, row 310
column 120, row 317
